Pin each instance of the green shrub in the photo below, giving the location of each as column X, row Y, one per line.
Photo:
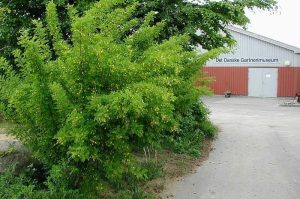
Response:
column 134, row 194
column 154, row 169
column 81, row 107
column 24, row 185
column 195, row 127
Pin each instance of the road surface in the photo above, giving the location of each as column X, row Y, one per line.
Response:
column 256, row 155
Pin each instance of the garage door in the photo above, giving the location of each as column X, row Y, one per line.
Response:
column 262, row 82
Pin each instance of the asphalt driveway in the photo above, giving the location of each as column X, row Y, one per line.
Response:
column 256, row 155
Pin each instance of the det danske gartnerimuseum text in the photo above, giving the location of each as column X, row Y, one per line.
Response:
column 246, row 60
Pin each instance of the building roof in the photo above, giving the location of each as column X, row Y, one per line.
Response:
column 265, row 39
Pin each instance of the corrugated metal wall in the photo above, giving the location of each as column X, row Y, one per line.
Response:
column 234, row 79
column 249, row 47
column 288, row 81
column 231, row 69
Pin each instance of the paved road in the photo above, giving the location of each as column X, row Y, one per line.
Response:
column 256, row 156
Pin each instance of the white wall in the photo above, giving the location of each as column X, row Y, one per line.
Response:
column 252, row 52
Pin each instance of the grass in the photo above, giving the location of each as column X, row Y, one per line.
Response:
column 164, row 168
column 170, row 166
column 4, row 124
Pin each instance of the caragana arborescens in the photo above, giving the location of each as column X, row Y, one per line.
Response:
column 83, row 106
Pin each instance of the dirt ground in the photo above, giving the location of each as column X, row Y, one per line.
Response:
column 179, row 164
column 11, row 151
column 178, row 167
column 5, row 140
column 4, row 137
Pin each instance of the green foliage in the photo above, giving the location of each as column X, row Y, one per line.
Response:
column 195, row 127
column 210, row 17
column 17, row 187
column 18, row 15
column 82, row 106
column 134, row 194
column 24, row 186
column 154, row 169
column 180, row 17
column 9, row 81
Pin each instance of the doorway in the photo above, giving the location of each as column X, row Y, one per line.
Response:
column 262, row 82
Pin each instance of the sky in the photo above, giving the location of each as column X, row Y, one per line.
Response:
column 282, row 25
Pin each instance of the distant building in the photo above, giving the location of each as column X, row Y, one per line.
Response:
column 258, row 67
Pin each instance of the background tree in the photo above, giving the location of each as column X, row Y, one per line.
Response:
column 18, row 14
column 208, row 16
column 180, row 16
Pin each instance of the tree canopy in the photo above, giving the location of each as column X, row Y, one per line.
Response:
column 209, row 16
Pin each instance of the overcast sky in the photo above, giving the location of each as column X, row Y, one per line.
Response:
column 283, row 25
